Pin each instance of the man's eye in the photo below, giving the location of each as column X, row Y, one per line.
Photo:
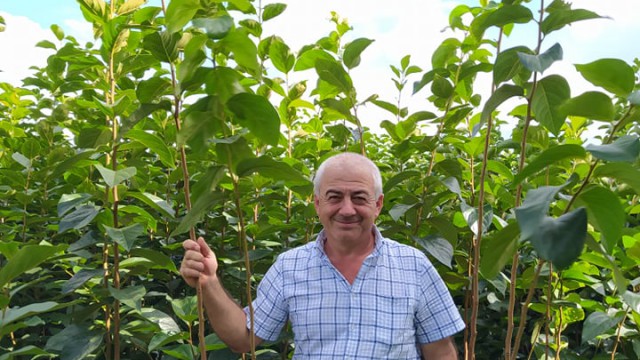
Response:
column 359, row 200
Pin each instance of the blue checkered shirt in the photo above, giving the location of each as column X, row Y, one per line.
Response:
column 396, row 302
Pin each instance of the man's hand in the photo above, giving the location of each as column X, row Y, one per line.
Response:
column 199, row 262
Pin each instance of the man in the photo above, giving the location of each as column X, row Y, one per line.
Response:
column 350, row 294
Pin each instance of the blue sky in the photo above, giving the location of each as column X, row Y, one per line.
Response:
column 399, row 28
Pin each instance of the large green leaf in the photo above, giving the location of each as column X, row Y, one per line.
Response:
column 126, row 236
column 559, row 240
column 186, row 308
column 470, row 214
column 75, row 341
column 540, row 63
column 607, row 215
column 245, row 52
column 592, row 105
column 24, row 351
column 613, row 75
column 557, row 19
column 626, row 148
column 80, row 278
column 78, row 219
column 352, row 51
column 333, row 73
column 272, row 10
column 69, row 201
column 502, row 94
column 164, row 322
column 27, row 258
column 550, row 93
column 438, row 247
column 156, row 145
column 162, row 45
column 273, row 169
column 308, row 59
column 155, row 202
column 598, row 323
column 505, row 15
column 281, row 55
column 497, row 250
column 179, row 13
column 258, row 115
column 622, row 172
column 202, row 205
column 508, row 65
column 550, row 157
column 159, row 259
column 7, row 316
column 114, row 178
column 130, row 295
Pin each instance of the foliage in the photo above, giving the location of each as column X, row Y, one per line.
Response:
column 104, row 149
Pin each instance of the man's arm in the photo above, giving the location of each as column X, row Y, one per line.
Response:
column 227, row 318
column 440, row 350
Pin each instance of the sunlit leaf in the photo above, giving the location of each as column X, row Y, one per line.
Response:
column 623, row 172
column 613, row 75
column 258, row 115
column 155, row 144
column 352, row 51
column 607, row 214
column 27, row 258
column 216, row 27
column 281, row 56
column 179, row 13
column 162, row 45
column 592, row 105
column 470, row 214
column 508, row 14
column 334, row 74
column 114, row 178
column 245, row 52
column 557, row 19
column 598, row 323
column 272, row 10
column 161, row 319
column 502, row 94
column 308, row 59
column 550, row 93
column 270, row 168
column 508, row 65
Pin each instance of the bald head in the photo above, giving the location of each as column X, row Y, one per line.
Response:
column 348, row 160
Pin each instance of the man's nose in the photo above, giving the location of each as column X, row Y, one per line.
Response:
column 346, row 207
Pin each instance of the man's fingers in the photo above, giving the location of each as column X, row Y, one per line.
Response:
column 205, row 250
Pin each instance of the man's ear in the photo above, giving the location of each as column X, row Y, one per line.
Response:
column 379, row 203
column 316, row 202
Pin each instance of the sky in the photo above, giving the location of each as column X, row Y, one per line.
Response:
column 399, row 28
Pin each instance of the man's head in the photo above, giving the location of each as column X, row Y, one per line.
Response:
column 348, row 197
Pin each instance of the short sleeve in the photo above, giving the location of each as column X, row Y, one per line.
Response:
column 437, row 315
column 269, row 308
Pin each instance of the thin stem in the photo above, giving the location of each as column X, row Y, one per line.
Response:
column 618, row 336
column 525, row 309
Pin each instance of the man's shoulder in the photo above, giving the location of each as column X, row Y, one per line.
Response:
column 394, row 247
column 302, row 251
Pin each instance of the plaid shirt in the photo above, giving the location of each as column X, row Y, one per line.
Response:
column 396, row 302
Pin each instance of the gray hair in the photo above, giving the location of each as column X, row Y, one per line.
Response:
column 375, row 171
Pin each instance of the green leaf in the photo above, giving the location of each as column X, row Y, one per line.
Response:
column 334, row 74
column 352, row 51
column 161, row 319
column 598, row 323
column 626, row 148
column 23, row 351
column 270, row 168
column 27, row 258
column 130, row 295
column 21, row 159
column 162, row 45
column 69, row 201
column 114, row 178
column 245, row 52
column 470, row 214
column 441, row 87
column 505, row 15
column 632, row 300
column 559, row 240
column 80, row 278
column 215, row 28
column 125, row 236
column 81, row 217
column 634, row 98
column 281, row 56
column 608, row 215
column 502, row 94
column 622, row 172
column 272, row 10
column 540, row 63
column 557, row 19
column 438, row 247
column 155, row 202
column 179, row 13
column 508, row 65
column 398, row 210
column 497, row 250
column 159, row 259
column 14, row 314
column 202, row 205
column 46, row 44
column 2, row 24
column 186, row 308
column 308, row 59
column 75, row 341
column 551, row 92
column 550, row 157
column 613, row 75
column 155, row 144
column 592, row 105
column 258, row 115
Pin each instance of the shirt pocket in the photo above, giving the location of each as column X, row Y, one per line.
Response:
column 389, row 316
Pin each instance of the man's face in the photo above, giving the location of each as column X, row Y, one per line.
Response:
column 347, row 205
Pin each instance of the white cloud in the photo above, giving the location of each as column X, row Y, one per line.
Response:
column 18, row 41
